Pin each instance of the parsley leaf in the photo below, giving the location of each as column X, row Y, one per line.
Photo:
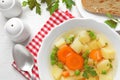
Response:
column 32, row 4
column 68, row 3
column 85, row 54
column 92, row 35
column 111, row 23
column 89, row 70
column 92, row 72
column 52, row 5
column 85, row 74
column 25, row 3
column 69, row 39
column 43, row 1
column 109, row 15
column 38, row 9
column 53, row 56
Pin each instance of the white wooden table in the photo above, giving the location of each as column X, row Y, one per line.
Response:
column 7, row 72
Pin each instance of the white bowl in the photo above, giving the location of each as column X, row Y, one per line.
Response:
column 44, row 53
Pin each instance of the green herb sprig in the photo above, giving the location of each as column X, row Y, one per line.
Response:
column 33, row 4
column 91, row 34
column 89, row 70
column 52, row 5
column 112, row 21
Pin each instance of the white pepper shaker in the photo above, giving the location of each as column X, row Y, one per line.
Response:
column 17, row 30
column 10, row 8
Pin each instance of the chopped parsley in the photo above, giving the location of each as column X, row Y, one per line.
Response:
column 85, row 54
column 53, row 56
column 70, row 39
column 104, row 72
column 112, row 21
column 92, row 34
column 52, row 5
column 89, row 70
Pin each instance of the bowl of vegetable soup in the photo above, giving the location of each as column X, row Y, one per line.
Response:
column 80, row 49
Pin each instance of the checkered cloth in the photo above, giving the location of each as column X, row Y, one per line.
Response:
column 34, row 46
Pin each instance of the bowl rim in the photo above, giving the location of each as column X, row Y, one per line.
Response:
column 58, row 26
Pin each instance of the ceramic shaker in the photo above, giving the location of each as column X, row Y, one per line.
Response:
column 10, row 8
column 17, row 30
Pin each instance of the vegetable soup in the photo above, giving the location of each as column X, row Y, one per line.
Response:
column 82, row 55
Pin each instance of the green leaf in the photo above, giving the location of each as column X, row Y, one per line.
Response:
column 89, row 70
column 38, row 9
column 68, row 3
column 92, row 72
column 110, row 60
column 111, row 23
column 43, row 1
column 60, row 65
column 53, row 56
column 85, row 54
column 70, row 39
column 109, row 15
column 54, row 7
column 24, row 3
column 55, row 49
column 53, row 62
column 110, row 65
column 85, row 74
column 92, row 35
column 32, row 4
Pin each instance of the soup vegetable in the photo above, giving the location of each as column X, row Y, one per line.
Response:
column 82, row 55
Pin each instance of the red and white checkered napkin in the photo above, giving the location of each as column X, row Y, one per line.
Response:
column 34, row 46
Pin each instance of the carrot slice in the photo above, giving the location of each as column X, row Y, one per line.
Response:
column 96, row 55
column 65, row 73
column 63, row 52
column 74, row 61
column 82, row 79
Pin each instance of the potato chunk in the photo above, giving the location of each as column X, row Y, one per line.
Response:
column 85, row 47
column 84, row 37
column 76, row 45
column 102, row 41
column 93, row 45
column 60, row 43
column 56, row 71
column 90, row 61
column 104, row 65
column 108, row 53
column 70, row 71
column 108, row 76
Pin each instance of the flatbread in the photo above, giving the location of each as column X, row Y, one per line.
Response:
column 102, row 6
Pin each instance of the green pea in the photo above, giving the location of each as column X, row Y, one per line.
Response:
column 52, row 56
column 60, row 65
column 53, row 62
column 104, row 72
column 77, row 72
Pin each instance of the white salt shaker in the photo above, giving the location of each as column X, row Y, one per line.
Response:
column 16, row 30
column 10, row 8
